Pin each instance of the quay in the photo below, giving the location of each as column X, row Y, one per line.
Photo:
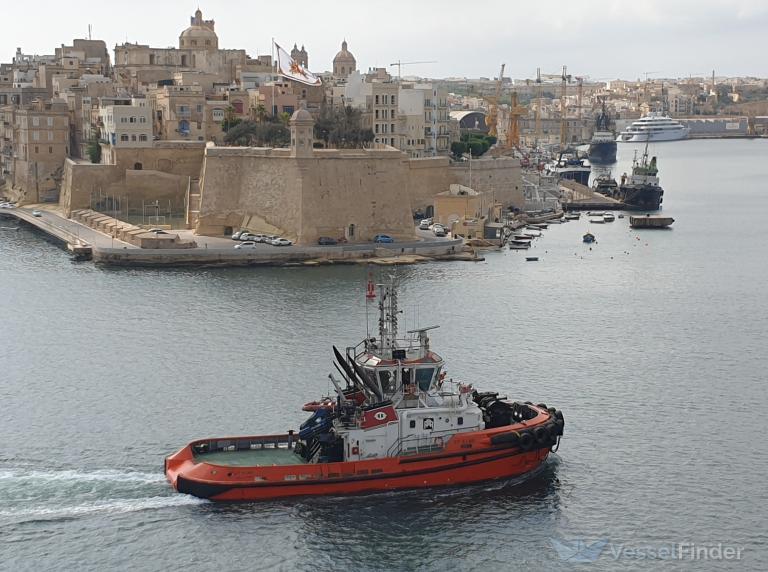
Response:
column 74, row 237
column 87, row 243
column 580, row 197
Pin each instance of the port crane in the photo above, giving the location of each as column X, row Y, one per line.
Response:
column 515, row 113
column 493, row 109
column 566, row 79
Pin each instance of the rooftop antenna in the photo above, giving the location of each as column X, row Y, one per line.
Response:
column 89, row 31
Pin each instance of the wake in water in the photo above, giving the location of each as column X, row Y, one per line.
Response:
column 109, row 475
column 32, row 495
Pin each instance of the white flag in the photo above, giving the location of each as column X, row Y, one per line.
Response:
column 290, row 68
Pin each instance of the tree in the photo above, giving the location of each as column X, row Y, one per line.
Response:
column 250, row 134
column 458, row 148
column 230, row 120
column 94, row 150
column 261, row 113
column 342, row 128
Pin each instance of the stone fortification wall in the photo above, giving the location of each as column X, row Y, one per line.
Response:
column 499, row 176
column 353, row 194
column 239, row 183
column 183, row 158
column 426, row 178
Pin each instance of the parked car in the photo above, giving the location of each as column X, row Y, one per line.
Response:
column 247, row 236
column 259, row 237
column 424, row 224
column 157, row 231
column 281, row 242
column 37, row 213
column 381, row 238
column 327, row 241
column 439, row 230
column 236, row 236
column 7, row 206
column 247, row 244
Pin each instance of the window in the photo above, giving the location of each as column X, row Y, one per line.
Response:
column 132, row 120
column 377, row 100
column 124, row 137
column 142, row 137
column 393, row 100
column 37, row 149
column 377, row 128
column 377, row 114
column 36, row 135
column 50, row 150
column 238, row 106
column 50, row 136
column 392, row 128
column 123, row 120
column 50, row 122
column 199, row 107
column 142, row 119
column 35, row 121
column 387, row 380
column 424, row 378
column 184, row 127
column 207, row 42
column 218, row 115
column 133, row 138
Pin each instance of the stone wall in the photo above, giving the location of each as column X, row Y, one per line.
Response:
column 305, row 198
column 499, row 176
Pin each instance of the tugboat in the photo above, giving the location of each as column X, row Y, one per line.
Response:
column 396, row 422
column 602, row 148
column 641, row 190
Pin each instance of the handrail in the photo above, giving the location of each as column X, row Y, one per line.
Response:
column 397, row 447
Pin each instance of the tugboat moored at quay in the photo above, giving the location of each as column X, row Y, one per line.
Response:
column 395, row 422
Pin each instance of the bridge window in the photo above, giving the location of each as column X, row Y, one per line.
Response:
column 424, row 378
column 387, row 380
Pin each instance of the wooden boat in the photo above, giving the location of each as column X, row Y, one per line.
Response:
column 396, row 422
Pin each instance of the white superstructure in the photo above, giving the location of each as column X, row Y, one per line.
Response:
column 654, row 127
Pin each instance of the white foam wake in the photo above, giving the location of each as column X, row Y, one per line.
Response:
column 110, row 475
column 111, row 506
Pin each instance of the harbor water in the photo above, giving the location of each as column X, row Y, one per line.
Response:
column 653, row 343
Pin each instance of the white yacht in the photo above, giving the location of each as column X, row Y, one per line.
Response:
column 654, row 127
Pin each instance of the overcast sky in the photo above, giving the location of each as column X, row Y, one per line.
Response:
column 602, row 39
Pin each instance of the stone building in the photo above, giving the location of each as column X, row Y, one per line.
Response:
column 125, row 122
column 140, row 65
column 178, row 112
column 344, row 62
column 39, row 143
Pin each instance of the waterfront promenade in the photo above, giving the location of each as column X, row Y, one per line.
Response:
column 87, row 242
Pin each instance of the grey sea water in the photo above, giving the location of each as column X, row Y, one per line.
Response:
column 653, row 343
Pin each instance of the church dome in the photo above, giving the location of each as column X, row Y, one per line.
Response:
column 344, row 63
column 200, row 34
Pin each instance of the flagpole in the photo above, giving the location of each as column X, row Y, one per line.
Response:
column 275, row 68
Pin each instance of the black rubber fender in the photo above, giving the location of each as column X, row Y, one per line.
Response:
column 541, row 434
column 509, row 438
column 526, row 440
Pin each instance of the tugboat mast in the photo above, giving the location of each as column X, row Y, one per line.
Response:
column 388, row 318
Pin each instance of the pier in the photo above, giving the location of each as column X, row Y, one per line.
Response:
column 580, row 197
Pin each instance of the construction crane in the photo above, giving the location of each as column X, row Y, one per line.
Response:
column 538, row 107
column 493, row 109
column 515, row 113
column 398, row 63
column 563, row 119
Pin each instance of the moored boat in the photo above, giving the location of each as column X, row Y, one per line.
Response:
column 588, row 237
column 649, row 221
column 396, row 422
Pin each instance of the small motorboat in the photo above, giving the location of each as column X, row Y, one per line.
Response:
column 532, row 233
column 608, row 217
column 596, row 220
column 621, row 215
column 589, row 238
column 519, row 245
column 573, row 216
column 531, row 258
column 523, row 237
column 538, row 226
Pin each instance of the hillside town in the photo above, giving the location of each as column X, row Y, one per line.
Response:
column 214, row 141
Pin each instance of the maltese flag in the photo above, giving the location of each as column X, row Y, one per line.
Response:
column 290, row 68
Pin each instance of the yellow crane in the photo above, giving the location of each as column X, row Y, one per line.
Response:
column 515, row 113
column 493, row 109
column 538, row 108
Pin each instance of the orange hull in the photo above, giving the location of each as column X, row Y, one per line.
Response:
column 466, row 458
